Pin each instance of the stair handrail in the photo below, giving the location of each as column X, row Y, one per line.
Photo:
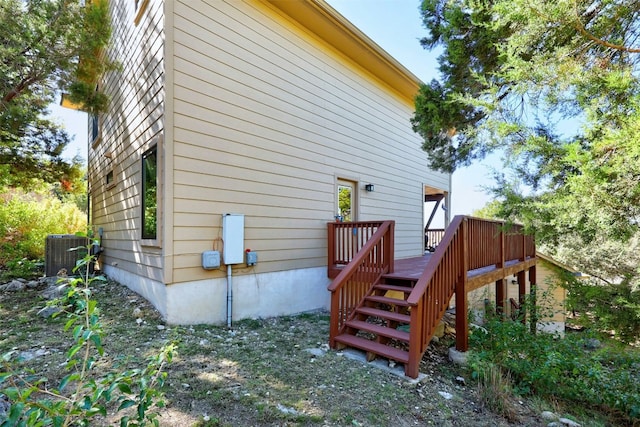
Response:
column 374, row 249
column 434, row 261
column 463, row 248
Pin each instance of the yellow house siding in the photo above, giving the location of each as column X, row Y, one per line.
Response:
column 550, row 290
column 265, row 119
column 550, row 295
column 133, row 124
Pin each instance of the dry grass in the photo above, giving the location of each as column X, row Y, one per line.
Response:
column 260, row 373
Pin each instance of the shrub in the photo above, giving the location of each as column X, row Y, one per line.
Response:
column 86, row 391
column 27, row 218
column 565, row 368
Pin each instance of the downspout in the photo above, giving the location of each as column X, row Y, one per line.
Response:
column 229, row 296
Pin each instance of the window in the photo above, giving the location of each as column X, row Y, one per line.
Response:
column 94, row 129
column 346, row 202
column 150, row 193
column 108, row 180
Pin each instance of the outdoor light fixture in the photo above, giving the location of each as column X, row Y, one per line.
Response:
column 369, row 188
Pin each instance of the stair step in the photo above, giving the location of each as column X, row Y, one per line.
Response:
column 383, row 314
column 379, row 330
column 396, row 279
column 374, row 347
column 385, row 287
column 387, row 300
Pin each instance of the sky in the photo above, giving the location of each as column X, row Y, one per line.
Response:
column 395, row 25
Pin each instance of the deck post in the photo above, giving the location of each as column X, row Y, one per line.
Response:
column 390, row 246
column 331, row 249
column 334, row 319
column 412, row 368
column 462, row 326
column 533, row 285
column 522, row 291
column 501, row 296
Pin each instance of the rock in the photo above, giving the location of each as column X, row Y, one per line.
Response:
column 48, row 311
column 55, row 291
column 446, row 395
column 49, row 281
column 137, row 313
column 25, row 356
column 161, row 327
column 286, row 410
column 4, row 407
column 33, row 284
column 14, row 286
column 554, row 424
column 548, row 416
column 458, row 357
column 569, row 423
column 316, row 352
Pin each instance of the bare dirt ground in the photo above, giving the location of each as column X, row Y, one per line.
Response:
column 267, row 372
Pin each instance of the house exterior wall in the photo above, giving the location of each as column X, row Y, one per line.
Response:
column 550, row 298
column 133, row 124
column 266, row 119
column 257, row 115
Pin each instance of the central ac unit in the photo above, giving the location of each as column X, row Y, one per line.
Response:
column 59, row 253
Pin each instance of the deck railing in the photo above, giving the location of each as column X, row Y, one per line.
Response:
column 433, row 237
column 362, row 252
column 468, row 244
column 345, row 239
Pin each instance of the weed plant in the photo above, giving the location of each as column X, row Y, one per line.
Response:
column 86, row 391
column 570, row 369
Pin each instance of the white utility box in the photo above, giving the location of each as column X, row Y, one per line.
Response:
column 233, row 238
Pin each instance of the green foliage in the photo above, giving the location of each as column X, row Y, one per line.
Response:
column 27, row 218
column 344, row 202
column 567, row 369
column 518, row 76
column 85, row 391
column 615, row 307
column 555, row 87
column 21, row 268
column 48, row 47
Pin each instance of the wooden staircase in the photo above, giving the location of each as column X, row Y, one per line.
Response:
column 393, row 315
column 376, row 325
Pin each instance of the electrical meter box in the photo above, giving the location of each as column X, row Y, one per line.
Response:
column 233, row 238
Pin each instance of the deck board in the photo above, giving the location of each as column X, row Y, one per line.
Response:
column 412, row 268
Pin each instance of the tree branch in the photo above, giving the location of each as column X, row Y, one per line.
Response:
column 578, row 25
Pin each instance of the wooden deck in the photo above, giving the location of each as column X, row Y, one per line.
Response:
column 413, row 268
column 473, row 253
column 409, row 268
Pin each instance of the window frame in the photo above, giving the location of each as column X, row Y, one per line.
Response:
column 149, row 239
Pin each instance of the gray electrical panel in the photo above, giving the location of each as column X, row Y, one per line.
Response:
column 210, row 260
